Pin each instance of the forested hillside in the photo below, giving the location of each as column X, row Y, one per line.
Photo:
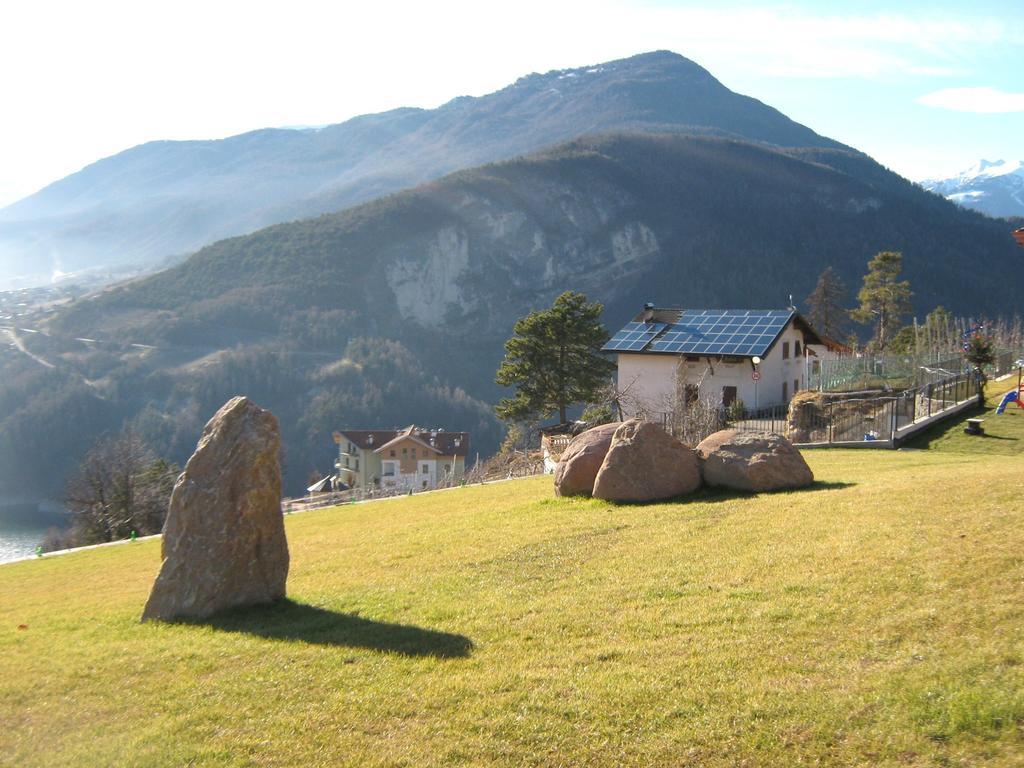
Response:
column 396, row 311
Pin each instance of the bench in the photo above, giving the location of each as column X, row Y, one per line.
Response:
column 974, row 427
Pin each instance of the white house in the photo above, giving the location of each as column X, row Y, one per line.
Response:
column 759, row 357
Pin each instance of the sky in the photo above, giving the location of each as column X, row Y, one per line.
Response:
column 926, row 88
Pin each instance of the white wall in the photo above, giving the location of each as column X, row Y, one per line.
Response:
column 649, row 380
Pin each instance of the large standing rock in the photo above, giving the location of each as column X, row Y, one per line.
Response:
column 581, row 459
column 753, row 461
column 223, row 542
column 645, row 463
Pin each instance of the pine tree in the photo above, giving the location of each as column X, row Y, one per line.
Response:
column 884, row 299
column 825, row 304
column 554, row 360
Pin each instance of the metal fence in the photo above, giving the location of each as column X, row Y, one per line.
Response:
column 866, row 418
column 898, row 372
column 833, row 418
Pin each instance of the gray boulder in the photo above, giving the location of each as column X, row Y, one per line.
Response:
column 645, row 463
column 581, row 459
column 223, row 543
column 752, row 461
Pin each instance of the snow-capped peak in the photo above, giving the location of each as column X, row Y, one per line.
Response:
column 991, row 169
column 992, row 187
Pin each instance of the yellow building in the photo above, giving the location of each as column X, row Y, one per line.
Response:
column 406, row 459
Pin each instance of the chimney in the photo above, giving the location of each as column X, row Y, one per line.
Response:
column 648, row 311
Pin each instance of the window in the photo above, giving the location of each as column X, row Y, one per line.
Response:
column 405, row 451
column 389, row 469
column 796, row 349
column 357, row 465
column 796, row 386
column 447, row 469
column 414, row 453
column 426, row 469
column 785, row 350
column 728, row 396
column 785, row 391
column 690, row 394
column 392, row 454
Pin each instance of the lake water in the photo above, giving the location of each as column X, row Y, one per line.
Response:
column 23, row 524
column 15, row 544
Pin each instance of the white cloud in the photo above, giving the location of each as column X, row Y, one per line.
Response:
column 988, row 100
column 786, row 42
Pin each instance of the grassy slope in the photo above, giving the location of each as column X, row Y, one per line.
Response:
column 874, row 619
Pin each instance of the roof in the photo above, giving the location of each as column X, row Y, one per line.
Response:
column 324, row 484
column 438, row 439
column 735, row 332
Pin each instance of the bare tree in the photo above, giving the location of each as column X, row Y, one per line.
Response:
column 120, row 488
column 691, row 417
column 825, row 304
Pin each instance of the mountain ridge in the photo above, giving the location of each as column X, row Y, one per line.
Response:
column 165, row 198
column 396, row 310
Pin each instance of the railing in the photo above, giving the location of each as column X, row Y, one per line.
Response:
column 897, row 372
column 555, row 444
column 882, row 419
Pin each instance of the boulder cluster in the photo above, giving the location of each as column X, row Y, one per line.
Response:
column 637, row 461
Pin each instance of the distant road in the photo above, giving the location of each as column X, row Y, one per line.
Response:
column 13, row 333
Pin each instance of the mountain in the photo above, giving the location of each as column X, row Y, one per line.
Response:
column 395, row 311
column 993, row 188
column 169, row 198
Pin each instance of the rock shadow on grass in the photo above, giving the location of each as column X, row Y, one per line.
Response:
column 288, row 620
column 710, row 494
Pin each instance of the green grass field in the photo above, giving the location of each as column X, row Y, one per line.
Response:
column 874, row 619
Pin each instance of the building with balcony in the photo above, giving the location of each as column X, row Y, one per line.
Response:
column 405, row 459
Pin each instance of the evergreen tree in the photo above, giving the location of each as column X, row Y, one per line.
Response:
column 825, row 304
column 884, row 299
column 554, row 360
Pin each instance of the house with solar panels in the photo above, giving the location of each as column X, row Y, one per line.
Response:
column 760, row 357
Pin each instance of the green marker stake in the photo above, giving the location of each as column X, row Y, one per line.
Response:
column 39, row 551
column 133, row 536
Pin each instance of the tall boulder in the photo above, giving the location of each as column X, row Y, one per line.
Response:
column 645, row 463
column 224, row 544
column 752, row 461
column 581, row 459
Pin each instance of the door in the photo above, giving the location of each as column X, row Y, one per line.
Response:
column 728, row 396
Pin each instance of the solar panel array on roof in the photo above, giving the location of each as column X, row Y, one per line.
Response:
column 740, row 332
column 634, row 337
column 722, row 332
